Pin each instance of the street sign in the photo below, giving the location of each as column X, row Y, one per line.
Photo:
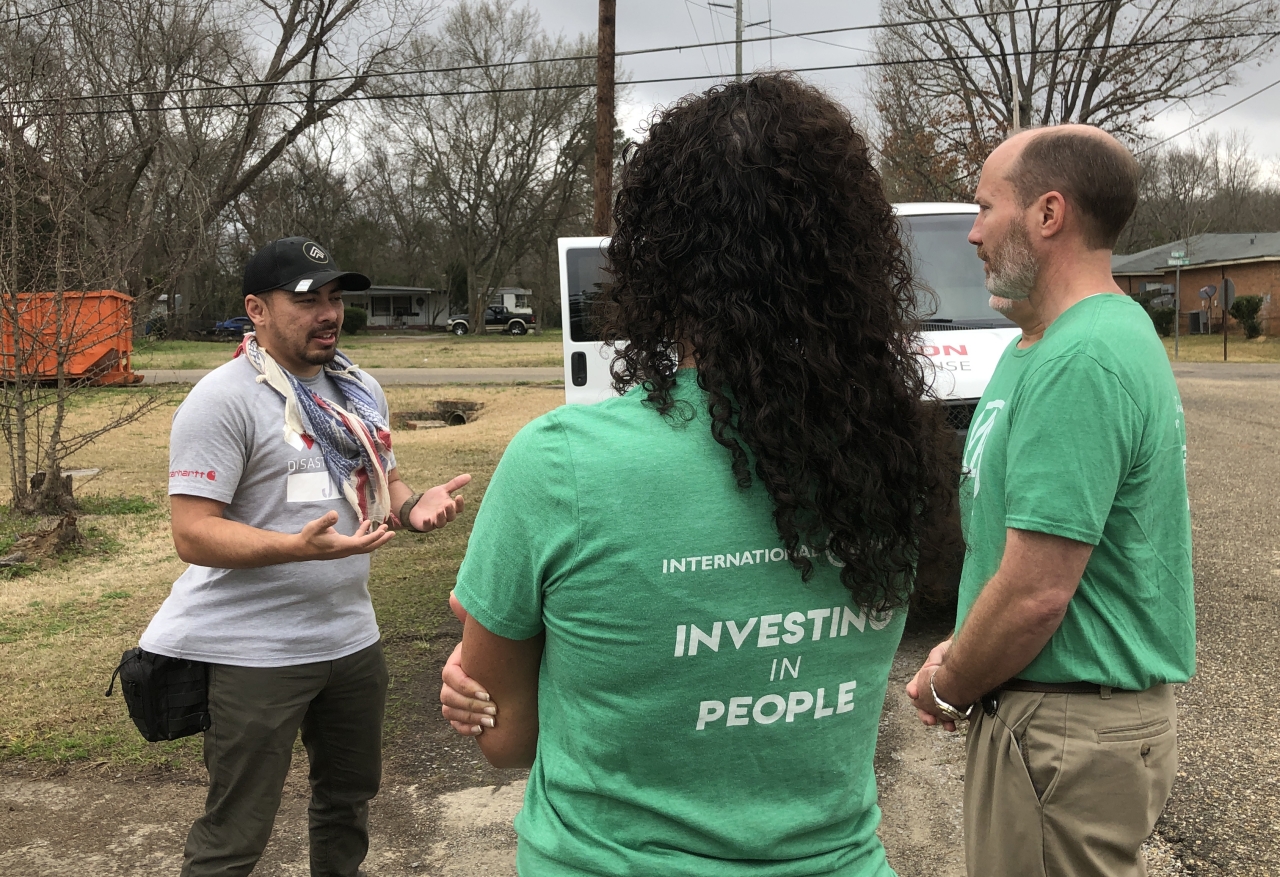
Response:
column 1177, row 254
column 1208, row 291
column 1228, row 293
column 1180, row 261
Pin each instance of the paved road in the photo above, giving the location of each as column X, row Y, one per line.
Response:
column 404, row 376
column 1227, row 371
column 1224, row 812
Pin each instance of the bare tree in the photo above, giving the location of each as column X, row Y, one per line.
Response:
column 49, row 327
column 494, row 150
column 1212, row 185
column 180, row 108
column 971, row 71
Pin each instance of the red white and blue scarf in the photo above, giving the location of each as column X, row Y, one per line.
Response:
column 356, row 443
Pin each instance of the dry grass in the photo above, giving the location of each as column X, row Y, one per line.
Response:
column 1208, row 348
column 426, row 351
column 62, row 629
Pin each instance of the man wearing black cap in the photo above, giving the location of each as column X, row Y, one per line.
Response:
column 283, row 482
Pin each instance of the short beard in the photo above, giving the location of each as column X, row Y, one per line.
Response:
column 1000, row 304
column 321, row 357
column 1012, row 268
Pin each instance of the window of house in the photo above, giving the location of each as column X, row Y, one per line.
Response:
column 380, row 306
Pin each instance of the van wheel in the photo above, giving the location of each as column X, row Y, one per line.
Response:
column 459, row 328
column 516, row 327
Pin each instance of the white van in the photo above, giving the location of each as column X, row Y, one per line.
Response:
column 963, row 338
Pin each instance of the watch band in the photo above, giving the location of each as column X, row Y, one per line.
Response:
column 404, row 513
column 955, row 714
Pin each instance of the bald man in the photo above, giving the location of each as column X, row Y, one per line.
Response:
column 1075, row 609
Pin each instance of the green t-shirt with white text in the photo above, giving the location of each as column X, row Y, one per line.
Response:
column 702, row 711
column 1082, row 436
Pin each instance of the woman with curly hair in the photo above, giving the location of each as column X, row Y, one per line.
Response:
column 681, row 605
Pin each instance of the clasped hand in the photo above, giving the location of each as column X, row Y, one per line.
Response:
column 920, row 692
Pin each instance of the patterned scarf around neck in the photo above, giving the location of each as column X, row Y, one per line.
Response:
column 356, row 444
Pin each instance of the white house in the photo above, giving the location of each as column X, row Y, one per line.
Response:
column 401, row 306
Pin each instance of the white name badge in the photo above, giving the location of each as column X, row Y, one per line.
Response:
column 310, row 487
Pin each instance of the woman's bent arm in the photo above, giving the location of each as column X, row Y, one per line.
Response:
column 508, row 670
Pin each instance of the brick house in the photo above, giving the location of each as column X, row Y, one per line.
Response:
column 1252, row 261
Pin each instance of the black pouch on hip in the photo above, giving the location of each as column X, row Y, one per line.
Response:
column 167, row 697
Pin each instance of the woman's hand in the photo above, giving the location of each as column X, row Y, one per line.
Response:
column 462, row 701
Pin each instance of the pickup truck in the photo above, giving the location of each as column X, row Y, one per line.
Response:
column 232, row 327
column 496, row 319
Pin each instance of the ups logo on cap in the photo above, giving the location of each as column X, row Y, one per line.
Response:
column 314, row 252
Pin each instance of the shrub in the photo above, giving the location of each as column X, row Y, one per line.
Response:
column 1245, row 309
column 354, row 319
column 1163, row 320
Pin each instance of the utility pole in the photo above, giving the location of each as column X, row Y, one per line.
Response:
column 603, row 180
column 737, row 36
column 1177, row 261
column 737, row 33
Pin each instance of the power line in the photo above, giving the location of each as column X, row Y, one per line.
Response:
column 1210, row 117
column 1138, row 44
column 39, row 12
column 883, row 25
column 696, row 35
column 531, row 61
column 782, row 34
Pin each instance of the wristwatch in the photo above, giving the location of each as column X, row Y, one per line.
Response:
column 948, row 711
column 406, row 509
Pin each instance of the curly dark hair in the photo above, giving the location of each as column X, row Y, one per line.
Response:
column 753, row 234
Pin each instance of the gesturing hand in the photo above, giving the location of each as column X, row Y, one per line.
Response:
column 319, row 541
column 438, row 506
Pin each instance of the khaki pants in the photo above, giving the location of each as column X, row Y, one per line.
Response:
column 1067, row 785
column 256, row 714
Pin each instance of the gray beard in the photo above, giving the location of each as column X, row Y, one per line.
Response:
column 1012, row 274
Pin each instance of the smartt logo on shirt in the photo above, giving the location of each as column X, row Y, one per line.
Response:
column 193, row 473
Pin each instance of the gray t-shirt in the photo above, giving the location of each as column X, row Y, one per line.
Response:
column 228, row 443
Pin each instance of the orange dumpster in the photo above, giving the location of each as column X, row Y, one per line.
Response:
column 95, row 329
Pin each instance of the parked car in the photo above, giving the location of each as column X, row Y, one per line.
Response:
column 496, row 319
column 962, row 338
column 232, row 327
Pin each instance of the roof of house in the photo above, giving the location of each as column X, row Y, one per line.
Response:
column 1202, row 250
column 394, row 290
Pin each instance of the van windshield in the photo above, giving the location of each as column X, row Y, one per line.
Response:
column 945, row 263
column 943, row 260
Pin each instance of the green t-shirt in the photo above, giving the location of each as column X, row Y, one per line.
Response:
column 1082, row 436
column 702, row 711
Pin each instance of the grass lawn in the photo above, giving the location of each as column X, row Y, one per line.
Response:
column 374, row 351
column 1208, row 348
column 63, row 628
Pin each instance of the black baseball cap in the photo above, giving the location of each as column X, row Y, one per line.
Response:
column 297, row 265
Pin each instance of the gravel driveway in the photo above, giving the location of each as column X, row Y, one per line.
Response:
column 1224, row 817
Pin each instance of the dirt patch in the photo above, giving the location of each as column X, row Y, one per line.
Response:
column 442, row 810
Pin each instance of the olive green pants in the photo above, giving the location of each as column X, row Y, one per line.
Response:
column 256, row 713
column 1068, row 785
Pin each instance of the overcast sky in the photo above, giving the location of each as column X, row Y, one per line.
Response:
column 673, row 22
